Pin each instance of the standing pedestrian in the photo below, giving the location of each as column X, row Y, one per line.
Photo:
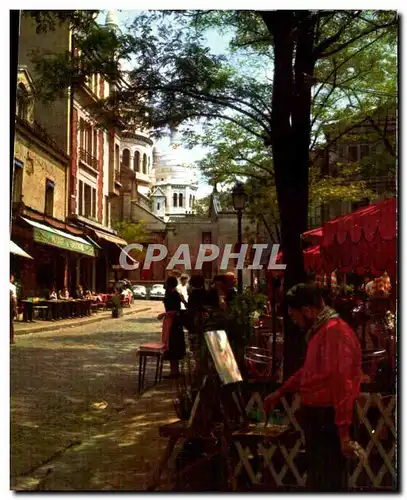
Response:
column 173, row 333
column 328, row 382
column 182, row 288
column 13, row 307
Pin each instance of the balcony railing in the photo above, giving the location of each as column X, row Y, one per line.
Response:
column 88, row 159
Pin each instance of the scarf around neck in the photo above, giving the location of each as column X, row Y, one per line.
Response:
column 325, row 315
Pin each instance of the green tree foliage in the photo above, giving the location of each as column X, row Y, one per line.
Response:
column 201, row 207
column 132, row 232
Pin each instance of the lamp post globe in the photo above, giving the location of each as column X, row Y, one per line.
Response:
column 239, row 196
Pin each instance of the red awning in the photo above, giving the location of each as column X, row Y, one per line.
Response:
column 364, row 240
column 314, row 236
column 312, row 259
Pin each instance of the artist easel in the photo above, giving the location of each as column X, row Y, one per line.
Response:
column 217, row 412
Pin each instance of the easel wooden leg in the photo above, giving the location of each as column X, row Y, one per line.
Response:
column 163, row 462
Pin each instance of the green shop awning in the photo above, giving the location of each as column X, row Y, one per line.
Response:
column 56, row 238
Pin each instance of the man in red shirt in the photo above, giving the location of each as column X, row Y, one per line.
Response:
column 328, row 382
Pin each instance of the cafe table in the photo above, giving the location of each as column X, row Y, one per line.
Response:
column 28, row 309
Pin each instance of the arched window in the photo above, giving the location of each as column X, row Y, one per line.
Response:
column 181, row 199
column 190, row 200
column 23, row 101
column 144, row 164
column 174, row 199
column 126, row 157
column 136, row 161
column 193, row 201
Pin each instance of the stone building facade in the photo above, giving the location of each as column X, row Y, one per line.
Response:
column 361, row 141
column 66, row 173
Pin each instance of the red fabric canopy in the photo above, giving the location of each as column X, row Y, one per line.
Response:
column 314, row 236
column 312, row 259
column 364, row 240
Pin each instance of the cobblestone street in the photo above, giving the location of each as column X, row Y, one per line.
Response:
column 77, row 422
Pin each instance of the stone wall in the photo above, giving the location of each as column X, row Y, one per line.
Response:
column 38, row 166
column 52, row 116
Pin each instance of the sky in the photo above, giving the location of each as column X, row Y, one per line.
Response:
column 218, row 44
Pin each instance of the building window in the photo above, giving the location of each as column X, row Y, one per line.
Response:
column 174, row 199
column 144, row 164
column 17, row 182
column 126, row 157
column 117, row 159
column 80, row 208
column 207, row 238
column 149, row 164
column 364, row 151
column 136, row 161
column 49, row 197
column 353, row 152
column 94, row 203
column 193, row 201
column 158, row 206
column 23, row 102
column 95, row 143
column 360, row 204
column 88, row 200
column 181, row 199
column 88, row 143
column 190, row 200
column 106, row 211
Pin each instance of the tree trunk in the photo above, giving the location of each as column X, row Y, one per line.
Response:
column 290, row 137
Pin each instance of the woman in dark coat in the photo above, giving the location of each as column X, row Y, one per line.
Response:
column 176, row 341
column 197, row 302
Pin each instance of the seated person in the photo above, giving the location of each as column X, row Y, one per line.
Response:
column 63, row 294
column 127, row 294
column 52, row 294
column 79, row 294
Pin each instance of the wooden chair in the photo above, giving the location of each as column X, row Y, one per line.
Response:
column 150, row 350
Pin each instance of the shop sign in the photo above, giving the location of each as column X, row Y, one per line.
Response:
column 56, row 240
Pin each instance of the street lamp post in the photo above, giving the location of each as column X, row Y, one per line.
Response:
column 239, row 198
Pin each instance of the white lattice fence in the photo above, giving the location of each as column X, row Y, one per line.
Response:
column 382, row 442
column 369, row 474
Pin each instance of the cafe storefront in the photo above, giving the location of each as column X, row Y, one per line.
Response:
column 56, row 256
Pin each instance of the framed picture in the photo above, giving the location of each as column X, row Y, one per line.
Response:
column 223, row 357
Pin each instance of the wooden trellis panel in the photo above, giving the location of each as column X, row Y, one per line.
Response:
column 386, row 407
column 267, row 453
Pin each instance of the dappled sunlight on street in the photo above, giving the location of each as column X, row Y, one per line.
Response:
column 77, row 421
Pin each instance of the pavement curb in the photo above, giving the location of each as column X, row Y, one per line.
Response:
column 57, row 325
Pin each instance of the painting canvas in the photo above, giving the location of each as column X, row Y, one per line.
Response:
column 223, row 357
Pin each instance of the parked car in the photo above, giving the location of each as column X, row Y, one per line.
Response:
column 157, row 292
column 139, row 292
